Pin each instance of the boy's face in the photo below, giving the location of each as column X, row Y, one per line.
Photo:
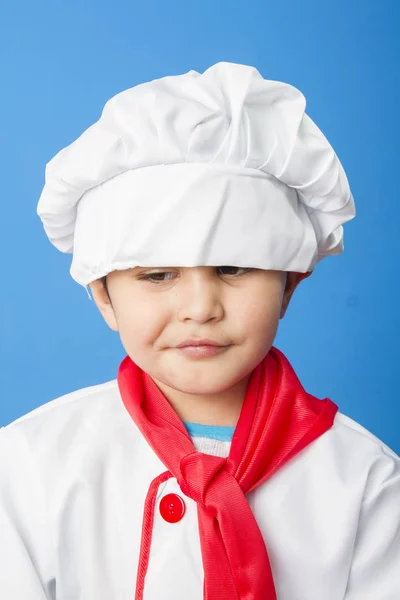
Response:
column 237, row 307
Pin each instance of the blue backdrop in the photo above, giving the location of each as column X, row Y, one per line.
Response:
column 61, row 61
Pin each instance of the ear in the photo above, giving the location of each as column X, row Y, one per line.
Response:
column 292, row 281
column 104, row 304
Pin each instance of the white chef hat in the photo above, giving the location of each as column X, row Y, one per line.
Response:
column 218, row 168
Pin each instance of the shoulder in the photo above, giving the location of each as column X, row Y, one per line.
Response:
column 72, row 402
column 350, row 458
column 352, row 431
column 363, row 456
column 68, row 422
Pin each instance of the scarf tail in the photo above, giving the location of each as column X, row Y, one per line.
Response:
column 239, row 553
column 215, row 586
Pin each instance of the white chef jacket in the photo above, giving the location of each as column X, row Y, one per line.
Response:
column 74, row 474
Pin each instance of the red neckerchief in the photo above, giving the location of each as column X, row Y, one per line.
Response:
column 278, row 419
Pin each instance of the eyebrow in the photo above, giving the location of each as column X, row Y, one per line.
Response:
column 156, row 267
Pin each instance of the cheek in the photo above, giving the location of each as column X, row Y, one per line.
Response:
column 260, row 312
column 140, row 322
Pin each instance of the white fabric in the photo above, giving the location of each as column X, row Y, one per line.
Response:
column 74, row 475
column 211, row 446
column 219, row 168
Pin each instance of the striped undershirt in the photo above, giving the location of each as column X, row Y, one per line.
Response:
column 210, row 439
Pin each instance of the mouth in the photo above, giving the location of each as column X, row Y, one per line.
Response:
column 199, row 342
column 201, row 351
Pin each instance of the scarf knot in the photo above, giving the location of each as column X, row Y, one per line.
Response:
column 200, row 473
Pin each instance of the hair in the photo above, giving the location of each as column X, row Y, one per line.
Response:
column 104, row 283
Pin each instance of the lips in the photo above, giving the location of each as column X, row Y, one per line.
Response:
column 202, row 342
column 202, row 351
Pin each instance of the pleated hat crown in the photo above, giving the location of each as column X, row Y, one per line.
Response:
column 216, row 168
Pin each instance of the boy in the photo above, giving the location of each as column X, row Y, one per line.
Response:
column 201, row 471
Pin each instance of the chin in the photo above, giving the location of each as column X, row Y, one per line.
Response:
column 208, row 382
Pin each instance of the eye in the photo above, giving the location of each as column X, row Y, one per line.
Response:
column 240, row 269
column 155, row 277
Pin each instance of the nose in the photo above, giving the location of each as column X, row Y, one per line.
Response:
column 200, row 298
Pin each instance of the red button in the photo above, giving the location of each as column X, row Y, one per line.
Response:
column 172, row 508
